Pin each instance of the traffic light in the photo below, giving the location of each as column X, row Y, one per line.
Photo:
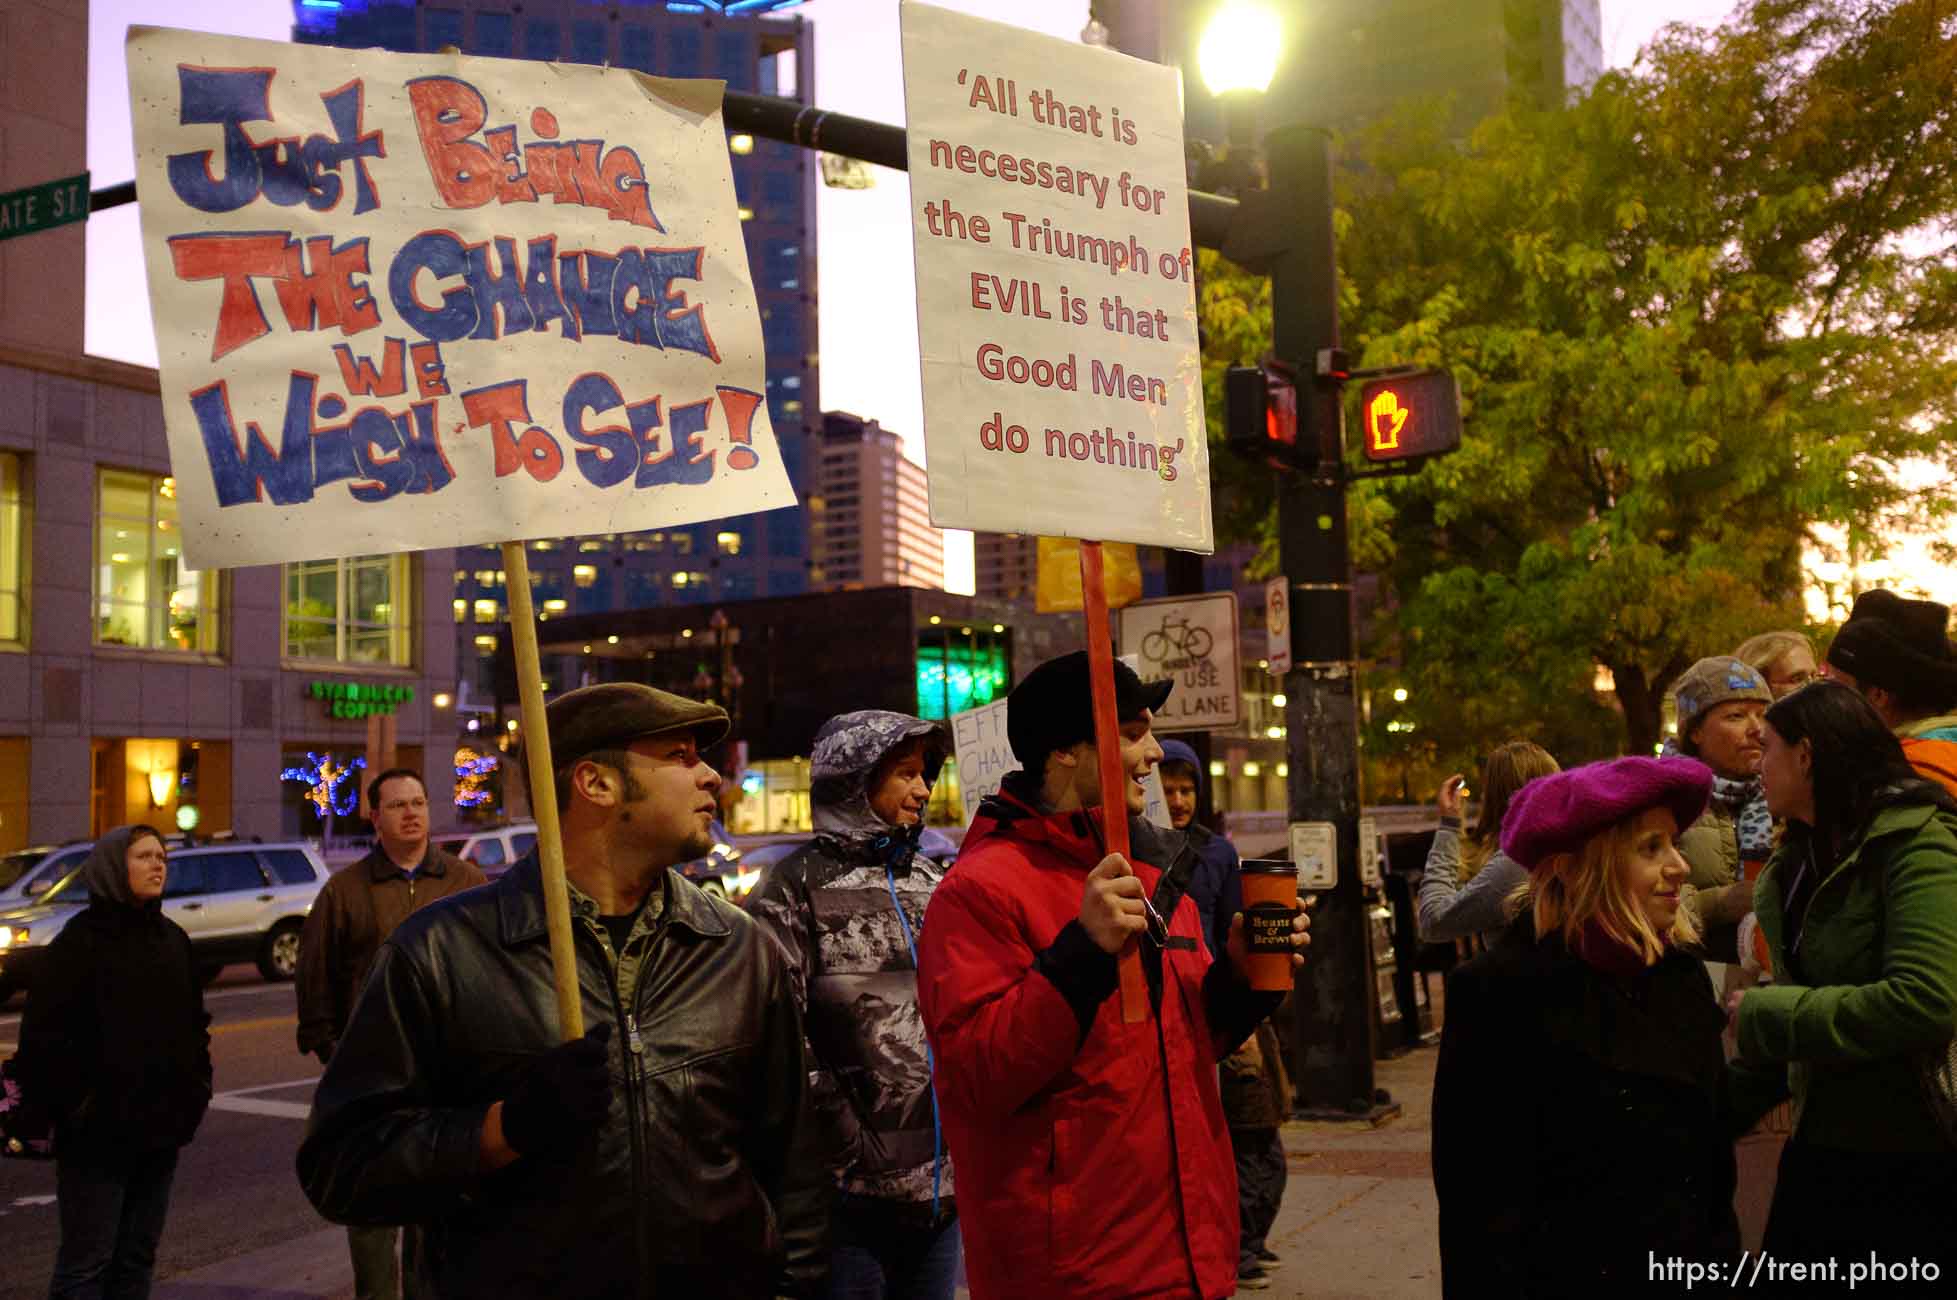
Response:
column 1260, row 413
column 1405, row 416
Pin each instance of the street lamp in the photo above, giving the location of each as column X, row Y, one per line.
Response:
column 1237, row 57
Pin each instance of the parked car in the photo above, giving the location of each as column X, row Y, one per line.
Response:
column 236, row 901
column 53, row 864
column 17, row 864
column 495, row 849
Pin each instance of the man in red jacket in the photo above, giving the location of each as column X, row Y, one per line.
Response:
column 1093, row 1157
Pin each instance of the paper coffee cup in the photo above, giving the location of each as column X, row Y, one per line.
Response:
column 1270, row 903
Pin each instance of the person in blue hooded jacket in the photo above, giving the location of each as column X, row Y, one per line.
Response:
column 1216, row 888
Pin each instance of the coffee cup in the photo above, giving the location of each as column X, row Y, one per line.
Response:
column 1270, row 904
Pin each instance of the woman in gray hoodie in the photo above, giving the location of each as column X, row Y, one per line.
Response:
column 1467, row 890
column 115, row 1055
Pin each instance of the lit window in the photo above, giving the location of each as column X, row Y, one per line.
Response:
column 584, row 574
column 556, row 605
column 144, row 596
column 486, row 644
column 488, row 611
column 543, row 546
column 1252, row 769
column 679, row 580
column 730, row 543
column 590, row 544
column 352, row 610
column 741, row 144
column 461, row 611
column 13, row 541
column 1216, row 767
column 746, row 214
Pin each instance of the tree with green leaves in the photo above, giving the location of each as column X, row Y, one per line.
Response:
column 1699, row 318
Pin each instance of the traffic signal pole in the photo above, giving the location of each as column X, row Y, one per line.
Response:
column 1332, row 1039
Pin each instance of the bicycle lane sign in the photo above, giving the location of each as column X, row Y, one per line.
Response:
column 1193, row 640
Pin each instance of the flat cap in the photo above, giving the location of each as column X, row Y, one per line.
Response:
column 1560, row 813
column 612, row 715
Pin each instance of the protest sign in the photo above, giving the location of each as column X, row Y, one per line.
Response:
column 412, row 301
column 1055, row 301
column 1191, row 640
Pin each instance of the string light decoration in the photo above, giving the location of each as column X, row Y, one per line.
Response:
column 333, row 792
column 472, row 773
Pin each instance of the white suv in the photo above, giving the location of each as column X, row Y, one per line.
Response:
column 237, row 902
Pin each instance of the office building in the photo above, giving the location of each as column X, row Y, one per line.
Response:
column 1006, row 566
column 775, row 185
column 870, row 512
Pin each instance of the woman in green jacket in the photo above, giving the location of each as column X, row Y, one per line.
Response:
column 1859, row 908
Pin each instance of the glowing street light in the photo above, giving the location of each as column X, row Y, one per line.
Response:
column 1239, row 49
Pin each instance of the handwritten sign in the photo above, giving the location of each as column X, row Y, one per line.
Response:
column 1191, row 640
column 1055, row 302
column 411, row 301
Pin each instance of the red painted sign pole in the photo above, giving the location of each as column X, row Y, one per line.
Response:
column 1107, row 743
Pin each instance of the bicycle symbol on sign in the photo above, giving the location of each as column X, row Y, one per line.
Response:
column 1191, row 640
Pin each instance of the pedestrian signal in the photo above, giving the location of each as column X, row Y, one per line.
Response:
column 1411, row 415
column 1260, row 409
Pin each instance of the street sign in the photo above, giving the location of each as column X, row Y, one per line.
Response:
column 1315, row 848
column 1410, row 415
column 1369, row 853
column 1193, row 641
column 1277, row 624
column 43, row 207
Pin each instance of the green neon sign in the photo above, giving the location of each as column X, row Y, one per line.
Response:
column 360, row 699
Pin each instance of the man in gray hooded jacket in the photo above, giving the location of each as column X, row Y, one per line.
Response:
column 847, row 910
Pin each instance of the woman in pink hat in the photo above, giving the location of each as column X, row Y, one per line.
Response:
column 1579, row 1129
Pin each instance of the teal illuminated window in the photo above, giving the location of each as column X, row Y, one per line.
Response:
column 951, row 679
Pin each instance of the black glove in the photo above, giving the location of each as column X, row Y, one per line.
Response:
column 563, row 1097
column 324, row 1051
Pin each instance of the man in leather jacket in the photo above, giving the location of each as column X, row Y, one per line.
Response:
column 655, row 1155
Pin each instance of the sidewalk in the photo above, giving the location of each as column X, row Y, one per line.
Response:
column 1358, row 1218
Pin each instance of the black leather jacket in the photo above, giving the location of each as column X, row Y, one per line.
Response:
column 689, row 1190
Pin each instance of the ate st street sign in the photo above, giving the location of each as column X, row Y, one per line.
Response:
column 43, row 207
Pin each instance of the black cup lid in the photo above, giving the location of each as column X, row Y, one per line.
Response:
column 1269, row 867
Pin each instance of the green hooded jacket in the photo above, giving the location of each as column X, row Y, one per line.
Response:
column 1872, row 991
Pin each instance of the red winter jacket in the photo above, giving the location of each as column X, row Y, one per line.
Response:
column 1093, row 1158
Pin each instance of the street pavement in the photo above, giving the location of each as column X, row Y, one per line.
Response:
column 1357, row 1220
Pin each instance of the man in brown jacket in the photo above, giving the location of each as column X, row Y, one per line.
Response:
column 357, row 910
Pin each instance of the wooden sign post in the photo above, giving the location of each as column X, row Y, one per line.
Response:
column 1107, row 746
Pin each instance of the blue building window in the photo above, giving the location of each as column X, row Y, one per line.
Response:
column 788, row 584
column 444, row 27
column 738, row 586
column 779, row 193
column 588, row 43
column 494, row 34
column 635, row 48
column 734, row 60
column 688, row 57
column 644, row 590
column 540, row 38
column 788, row 535
column 781, row 334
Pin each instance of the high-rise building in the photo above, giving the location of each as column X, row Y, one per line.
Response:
column 1006, row 566
column 870, row 514
column 1353, row 60
column 775, row 185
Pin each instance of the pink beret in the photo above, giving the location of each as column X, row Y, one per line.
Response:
column 1559, row 813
